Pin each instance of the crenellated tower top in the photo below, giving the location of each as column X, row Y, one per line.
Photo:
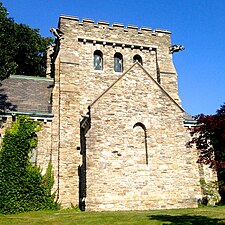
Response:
column 78, row 40
column 115, row 26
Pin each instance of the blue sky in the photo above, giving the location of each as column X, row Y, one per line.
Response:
column 199, row 25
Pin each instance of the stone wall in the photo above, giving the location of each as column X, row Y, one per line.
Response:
column 118, row 175
column 44, row 146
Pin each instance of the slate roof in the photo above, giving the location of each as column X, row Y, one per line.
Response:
column 26, row 95
column 188, row 119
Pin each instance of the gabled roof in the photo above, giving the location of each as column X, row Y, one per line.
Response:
column 189, row 120
column 146, row 72
column 26, row 95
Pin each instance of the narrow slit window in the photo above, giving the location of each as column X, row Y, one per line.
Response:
column 98, row 60
column 145, row 139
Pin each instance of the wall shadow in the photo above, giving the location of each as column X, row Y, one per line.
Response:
column 85, row 125
column 5, row 104
column 186, row 220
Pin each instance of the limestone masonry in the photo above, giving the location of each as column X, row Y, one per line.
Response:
column 117, row 132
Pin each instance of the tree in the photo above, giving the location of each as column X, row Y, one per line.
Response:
column 221, row 111
column 209, row 137
column 22, row 49
column 22, row 186
column 7, row 65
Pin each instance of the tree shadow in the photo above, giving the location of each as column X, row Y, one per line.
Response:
column 186, row 220
column 5, row 104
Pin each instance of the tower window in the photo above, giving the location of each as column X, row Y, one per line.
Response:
column 137, row 58
column 118, row 62
column 98, row 60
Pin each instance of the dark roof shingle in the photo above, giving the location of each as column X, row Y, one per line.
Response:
column 26, row 94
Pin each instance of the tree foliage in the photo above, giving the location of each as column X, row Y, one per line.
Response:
column 209, row 138
column 22, row 187
column 22, row 49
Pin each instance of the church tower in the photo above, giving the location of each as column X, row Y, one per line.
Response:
column 118, row 140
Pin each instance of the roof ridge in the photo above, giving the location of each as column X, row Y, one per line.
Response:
column 112, row 85
column 160, row 86
column 28, row 77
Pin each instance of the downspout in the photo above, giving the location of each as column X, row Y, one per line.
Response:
column 146, row 146
column 59, row 135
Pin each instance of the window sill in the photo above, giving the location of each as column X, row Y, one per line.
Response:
column 98, row 71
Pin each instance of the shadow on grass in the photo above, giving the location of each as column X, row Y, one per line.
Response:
column 186, row 220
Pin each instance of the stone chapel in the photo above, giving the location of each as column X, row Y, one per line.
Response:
column 113, row 124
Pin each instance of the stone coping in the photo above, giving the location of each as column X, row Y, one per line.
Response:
column 114, row 25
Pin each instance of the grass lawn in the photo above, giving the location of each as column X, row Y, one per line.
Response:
column 204, row 216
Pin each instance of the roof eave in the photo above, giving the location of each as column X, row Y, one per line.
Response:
column 41, row 115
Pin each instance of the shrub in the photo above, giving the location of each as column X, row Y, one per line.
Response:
column 22, row 186
column 210, row 192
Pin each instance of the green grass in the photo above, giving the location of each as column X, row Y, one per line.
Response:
column 200, row 216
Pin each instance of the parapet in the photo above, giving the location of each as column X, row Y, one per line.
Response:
column 115, row 25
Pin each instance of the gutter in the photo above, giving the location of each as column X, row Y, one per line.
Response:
column 36, row 116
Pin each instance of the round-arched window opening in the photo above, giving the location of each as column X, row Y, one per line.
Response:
column 137, row 58
column 118, row 62
column 98, row 60
column 139, row 124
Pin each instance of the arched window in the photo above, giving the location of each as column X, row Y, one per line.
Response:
column 33, row 156
column 140, row 125
column 145, row 139
column 118, row 62
column 137, row 58
column 98, row 60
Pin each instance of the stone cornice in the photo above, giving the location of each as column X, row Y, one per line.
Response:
column 117, row 43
